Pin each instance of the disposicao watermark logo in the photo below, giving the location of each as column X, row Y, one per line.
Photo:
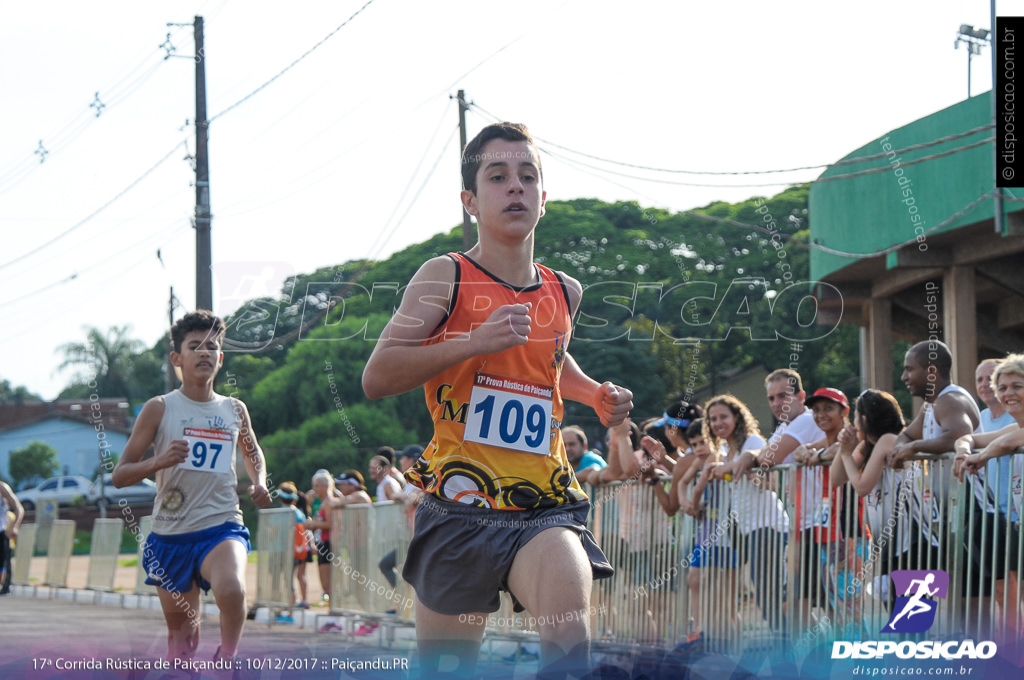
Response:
column 914, row 611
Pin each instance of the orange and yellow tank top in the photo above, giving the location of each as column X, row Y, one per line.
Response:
column 498, row 417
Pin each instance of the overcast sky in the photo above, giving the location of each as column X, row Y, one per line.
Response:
column 353, row 152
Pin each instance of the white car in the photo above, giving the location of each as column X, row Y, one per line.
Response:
column 62, row 490
column 142, row 493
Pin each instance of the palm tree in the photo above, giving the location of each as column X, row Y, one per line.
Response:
column 110, row 359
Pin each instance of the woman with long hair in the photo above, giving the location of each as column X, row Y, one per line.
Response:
column 860, row 461
column 757, row 516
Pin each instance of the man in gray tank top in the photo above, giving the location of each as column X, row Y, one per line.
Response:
column 198, row 540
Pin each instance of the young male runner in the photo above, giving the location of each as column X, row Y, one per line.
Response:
column 486, row 333
column 198, row 539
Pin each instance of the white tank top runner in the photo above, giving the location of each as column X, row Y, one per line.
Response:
column 201, row 492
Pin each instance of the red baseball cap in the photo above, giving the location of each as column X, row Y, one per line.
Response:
column 829, row 393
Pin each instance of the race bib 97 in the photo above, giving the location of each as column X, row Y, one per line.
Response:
column 511, row 414
column 208, row 450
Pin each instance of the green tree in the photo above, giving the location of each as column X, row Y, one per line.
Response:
column 19, row 394
column 110, row 360
column 33, row 463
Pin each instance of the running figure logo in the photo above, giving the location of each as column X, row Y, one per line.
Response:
column 914, row 611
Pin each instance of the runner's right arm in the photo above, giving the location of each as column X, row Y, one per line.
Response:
column 131, row 468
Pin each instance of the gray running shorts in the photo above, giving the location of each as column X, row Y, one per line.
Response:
column 460, row 555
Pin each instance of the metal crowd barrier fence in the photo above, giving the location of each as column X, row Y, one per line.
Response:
column 780, row 560
column 643, row 603
column 103, row 553
column 23, row 551
column 274, row 571
column 387, row 550
column 58, row 553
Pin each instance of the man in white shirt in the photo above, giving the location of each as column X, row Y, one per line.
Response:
column 388, row 488
column 785, row 392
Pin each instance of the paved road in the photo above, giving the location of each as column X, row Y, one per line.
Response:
column 37, row 635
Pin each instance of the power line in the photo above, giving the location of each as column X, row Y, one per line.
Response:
column 95, row 212
column 77, row 125
column 887, row 168
column 293, row 64
column 847, row 161
column 673, row 182
column 430, row 174
column 146, row 241
column 863, row 256
column 372, row 252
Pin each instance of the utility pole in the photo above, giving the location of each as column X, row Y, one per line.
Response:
column 204, row 273
column 170, row 342
column 468, row 237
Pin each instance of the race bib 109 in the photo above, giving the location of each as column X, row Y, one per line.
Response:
column 208, row 450
column 511, row 414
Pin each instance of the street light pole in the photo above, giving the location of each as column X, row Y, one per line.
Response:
column 974, row 39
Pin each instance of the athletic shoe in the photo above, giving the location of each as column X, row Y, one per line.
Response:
column 365, row 629
column 281, row 618
column 303, row 605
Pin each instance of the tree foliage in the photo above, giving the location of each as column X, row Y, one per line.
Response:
column 33, row 463
column 18, row 395
column 110, row 364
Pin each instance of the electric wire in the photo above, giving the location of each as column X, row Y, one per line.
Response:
column 96, row 212
column 291, row 65
column 426, row 180
column 372, row 252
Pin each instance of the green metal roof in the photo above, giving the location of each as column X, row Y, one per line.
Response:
column 869, row 213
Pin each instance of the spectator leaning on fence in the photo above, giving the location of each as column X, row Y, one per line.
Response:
column 325, row 498
column 665, row 439
column 761, row 519
column 711, row 546
column 817, row 506
column 576, row 451
column 388, row 488
column 949, row 412
column 994, row 418
column 861, row 461
column 1008, row 382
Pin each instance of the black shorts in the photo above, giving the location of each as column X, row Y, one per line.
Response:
column 986, row 549
column 460, row 555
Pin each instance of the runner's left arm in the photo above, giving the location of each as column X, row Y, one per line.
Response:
column 255, row 462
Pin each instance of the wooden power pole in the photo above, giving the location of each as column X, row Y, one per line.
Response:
column 204, row 273
column 468, row 236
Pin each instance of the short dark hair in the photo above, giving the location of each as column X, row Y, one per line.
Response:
column 473, row 153
column 199, row 320
column 387, row 452
column 696, row 429
column 933, row 353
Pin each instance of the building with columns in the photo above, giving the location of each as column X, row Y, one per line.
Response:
column 903, row 230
